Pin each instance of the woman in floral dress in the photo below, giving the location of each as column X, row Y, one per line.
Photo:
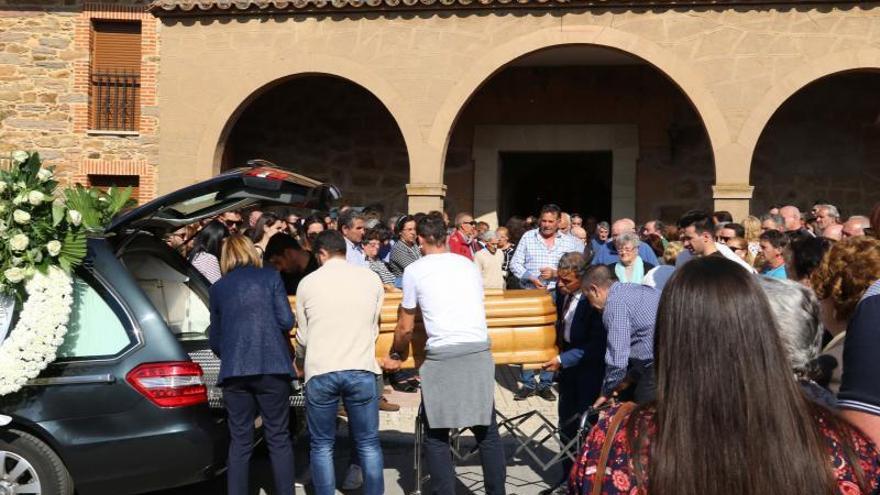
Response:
column 729, row 416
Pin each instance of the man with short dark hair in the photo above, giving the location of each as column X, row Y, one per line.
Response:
column 629, row 312
column 337, row 352
column 698, row 233
column 458, row 374
column 697, row 230
column 728, row 231
column 291, row 260
column 461, row 241
column 351, row 225
column 654, row 227
column 534, row 265
column 773, row 244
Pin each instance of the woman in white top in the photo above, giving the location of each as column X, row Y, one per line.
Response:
column 205, row 255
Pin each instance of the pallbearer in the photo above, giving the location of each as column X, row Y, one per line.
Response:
column 458, row 375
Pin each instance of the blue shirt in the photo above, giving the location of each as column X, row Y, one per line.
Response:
column 607, row 254
column 778, row 272
column 629, row 316
column 859, row 387
column 532, row 254
column 354, row 254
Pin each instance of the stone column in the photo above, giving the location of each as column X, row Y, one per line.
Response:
column 733, row 198
column 425, row 197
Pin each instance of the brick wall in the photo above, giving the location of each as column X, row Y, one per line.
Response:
column 44, row 89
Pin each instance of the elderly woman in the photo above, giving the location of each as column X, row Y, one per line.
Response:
column 631, row 268
column 796, row 311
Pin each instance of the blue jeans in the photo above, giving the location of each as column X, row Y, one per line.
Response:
column 527, row 378
column 270, row 395
column 357, row 389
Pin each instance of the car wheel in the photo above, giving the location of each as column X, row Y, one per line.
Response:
column 29, row 466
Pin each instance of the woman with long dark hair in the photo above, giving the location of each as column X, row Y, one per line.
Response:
column 310, row 228
column 205, row 254
column 268, row 225
column 729, row 417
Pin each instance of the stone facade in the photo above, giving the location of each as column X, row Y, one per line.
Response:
column 44, row 90
column 736, row 66
column 704, row 93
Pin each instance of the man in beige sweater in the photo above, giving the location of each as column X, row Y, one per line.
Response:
column 490, row 261
column 337, row 313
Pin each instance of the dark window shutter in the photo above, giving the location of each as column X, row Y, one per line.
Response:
column 115, row 75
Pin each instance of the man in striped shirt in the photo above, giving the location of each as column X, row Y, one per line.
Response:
column 629, row 312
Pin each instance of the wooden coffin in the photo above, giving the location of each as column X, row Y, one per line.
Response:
column 522, row 327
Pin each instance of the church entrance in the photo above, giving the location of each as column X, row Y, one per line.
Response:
column 579, row 182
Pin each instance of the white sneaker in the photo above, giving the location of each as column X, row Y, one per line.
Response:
column 354, row 478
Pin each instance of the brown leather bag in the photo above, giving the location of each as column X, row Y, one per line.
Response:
column 599, row 477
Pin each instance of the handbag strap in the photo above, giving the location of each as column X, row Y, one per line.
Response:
column 599, row 477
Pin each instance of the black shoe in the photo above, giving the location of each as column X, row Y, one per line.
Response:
column 523, row 393
column 546, row 394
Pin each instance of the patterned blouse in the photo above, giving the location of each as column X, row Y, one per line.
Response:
column 381, row 269
column 620, row 476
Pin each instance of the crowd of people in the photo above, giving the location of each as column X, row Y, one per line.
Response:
column 726, row 357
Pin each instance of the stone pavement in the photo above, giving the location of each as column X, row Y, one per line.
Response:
column 525, row 475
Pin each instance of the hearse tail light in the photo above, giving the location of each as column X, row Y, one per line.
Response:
column 170, row 384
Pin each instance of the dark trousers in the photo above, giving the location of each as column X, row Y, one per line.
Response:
column 574, row 400
column 270, row 395
column 439, row 458
column 644, row 387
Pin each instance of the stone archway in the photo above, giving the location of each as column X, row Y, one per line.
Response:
column 327, row 128
column 690, row 83
column 238, row 93
column 526, row 91
column 822, row 145
column 747, row 139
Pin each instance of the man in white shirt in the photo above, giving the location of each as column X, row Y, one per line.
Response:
column 458, row 375
column 336, row 349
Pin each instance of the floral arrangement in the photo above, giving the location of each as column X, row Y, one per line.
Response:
column 43, row 235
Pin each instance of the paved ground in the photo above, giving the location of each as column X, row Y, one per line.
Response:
column 525, row 473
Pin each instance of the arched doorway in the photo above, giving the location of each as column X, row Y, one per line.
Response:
column 595, row 129
column 328, row 128
column 822, row 145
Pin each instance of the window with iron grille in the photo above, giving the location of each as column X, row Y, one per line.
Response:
column 115, row 76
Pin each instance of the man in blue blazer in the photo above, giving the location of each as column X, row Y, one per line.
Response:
column 581, row 340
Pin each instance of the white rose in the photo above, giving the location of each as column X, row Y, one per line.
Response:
column 16, row 260
column 14, row 275
column 19, row 242
column 53, row 247
column 44, row 174
column 20, row 156
column 36, row 198
column 21, row 216
column 19, row 199
column 75, row 217
column 3, row 186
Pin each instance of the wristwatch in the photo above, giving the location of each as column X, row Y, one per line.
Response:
column 395, row 355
